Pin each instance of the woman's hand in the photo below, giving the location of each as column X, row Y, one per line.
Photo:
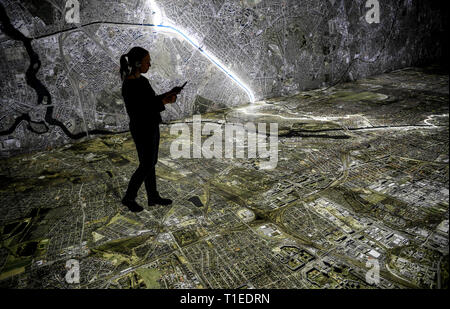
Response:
column 169, row 98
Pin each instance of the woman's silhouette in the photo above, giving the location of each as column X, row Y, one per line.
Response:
column 143, row 107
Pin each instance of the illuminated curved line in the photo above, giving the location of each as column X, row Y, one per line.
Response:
column 248, row 91
column 235, row 79
column 159, row 22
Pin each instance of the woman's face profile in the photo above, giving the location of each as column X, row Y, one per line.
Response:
column 146, row 64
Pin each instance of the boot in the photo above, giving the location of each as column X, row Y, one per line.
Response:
column 132, row 205
column 156, row 199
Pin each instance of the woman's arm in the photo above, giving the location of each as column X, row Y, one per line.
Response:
column 167, row 98
column 171, row 96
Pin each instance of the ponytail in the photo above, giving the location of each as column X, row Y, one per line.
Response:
column 124, row 67
column 130, row 61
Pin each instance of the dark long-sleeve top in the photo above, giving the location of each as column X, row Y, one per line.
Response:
column 142, row 104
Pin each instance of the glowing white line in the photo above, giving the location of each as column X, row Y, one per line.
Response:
column 247, row 110
column 430, row 118
column 158, row 21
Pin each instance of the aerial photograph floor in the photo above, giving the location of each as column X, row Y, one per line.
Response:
column 303, row 145
column 361, row 180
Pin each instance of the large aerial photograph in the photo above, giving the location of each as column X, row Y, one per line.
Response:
column 247, row 146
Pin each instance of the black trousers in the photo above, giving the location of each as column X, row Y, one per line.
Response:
column 147, row 146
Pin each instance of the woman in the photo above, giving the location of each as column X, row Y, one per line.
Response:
column 143, row 108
